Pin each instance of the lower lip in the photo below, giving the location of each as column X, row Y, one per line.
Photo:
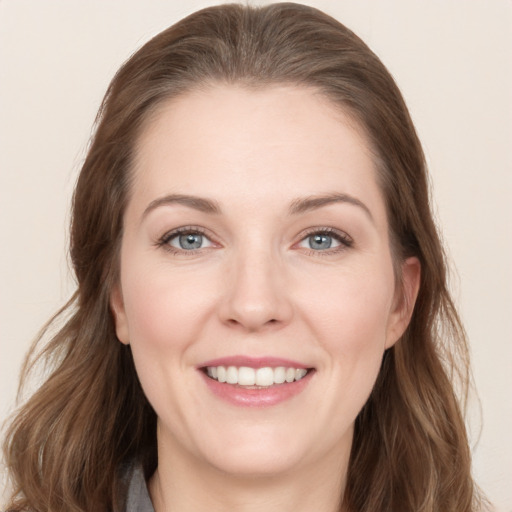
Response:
column 263, row 397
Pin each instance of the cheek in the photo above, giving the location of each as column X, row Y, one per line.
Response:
column 151, row 311
column 350, row 315
column 164, row 311
column 354, row 301
column 168, row 310
column 163, row 306
column 158, row 328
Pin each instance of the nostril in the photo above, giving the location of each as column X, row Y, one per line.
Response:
column 234, row 322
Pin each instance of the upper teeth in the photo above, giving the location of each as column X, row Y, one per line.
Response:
column 246, row 376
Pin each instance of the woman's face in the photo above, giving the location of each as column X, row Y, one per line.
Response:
column 256, row 250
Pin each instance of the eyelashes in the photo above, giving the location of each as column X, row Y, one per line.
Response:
column 186, row 239
column 323, row 241
column 193, row 240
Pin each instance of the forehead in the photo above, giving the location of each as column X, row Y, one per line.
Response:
column 229, row 142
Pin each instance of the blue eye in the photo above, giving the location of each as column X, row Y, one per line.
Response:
column 187, row 240
column 326, row 240
column 321, row 241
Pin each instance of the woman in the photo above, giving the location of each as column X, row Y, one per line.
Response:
column 261, row 317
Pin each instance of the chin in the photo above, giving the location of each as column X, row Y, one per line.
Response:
column 257, row 452
column 262, row 464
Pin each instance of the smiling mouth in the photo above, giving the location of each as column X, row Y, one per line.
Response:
column 255, row 378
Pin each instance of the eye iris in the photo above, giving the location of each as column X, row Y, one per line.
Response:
column 320, row 242
column 191, row 241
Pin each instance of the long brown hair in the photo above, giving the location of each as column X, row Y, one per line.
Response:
column 66, row 447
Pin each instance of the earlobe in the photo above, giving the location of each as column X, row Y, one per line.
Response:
column 119, row 314
column 405, row 300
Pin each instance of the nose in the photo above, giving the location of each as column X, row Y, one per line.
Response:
column 256, row 296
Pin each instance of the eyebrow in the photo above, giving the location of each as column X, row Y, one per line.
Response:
column 197, row 203
column 313, row 202
column 297, row 206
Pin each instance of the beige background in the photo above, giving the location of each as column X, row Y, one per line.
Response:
column 452, row 60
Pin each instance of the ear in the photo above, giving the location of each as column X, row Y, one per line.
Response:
column 405, row 299
column 119, row 313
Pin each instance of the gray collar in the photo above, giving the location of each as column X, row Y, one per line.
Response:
column 138, row 497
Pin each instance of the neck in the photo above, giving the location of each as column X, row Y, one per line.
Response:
column 187, row 485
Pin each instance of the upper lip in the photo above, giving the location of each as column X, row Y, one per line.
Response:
column 254, row 362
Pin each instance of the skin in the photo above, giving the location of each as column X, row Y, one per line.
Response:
column 257, row 288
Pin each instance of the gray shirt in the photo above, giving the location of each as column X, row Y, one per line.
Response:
column 138, row 497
